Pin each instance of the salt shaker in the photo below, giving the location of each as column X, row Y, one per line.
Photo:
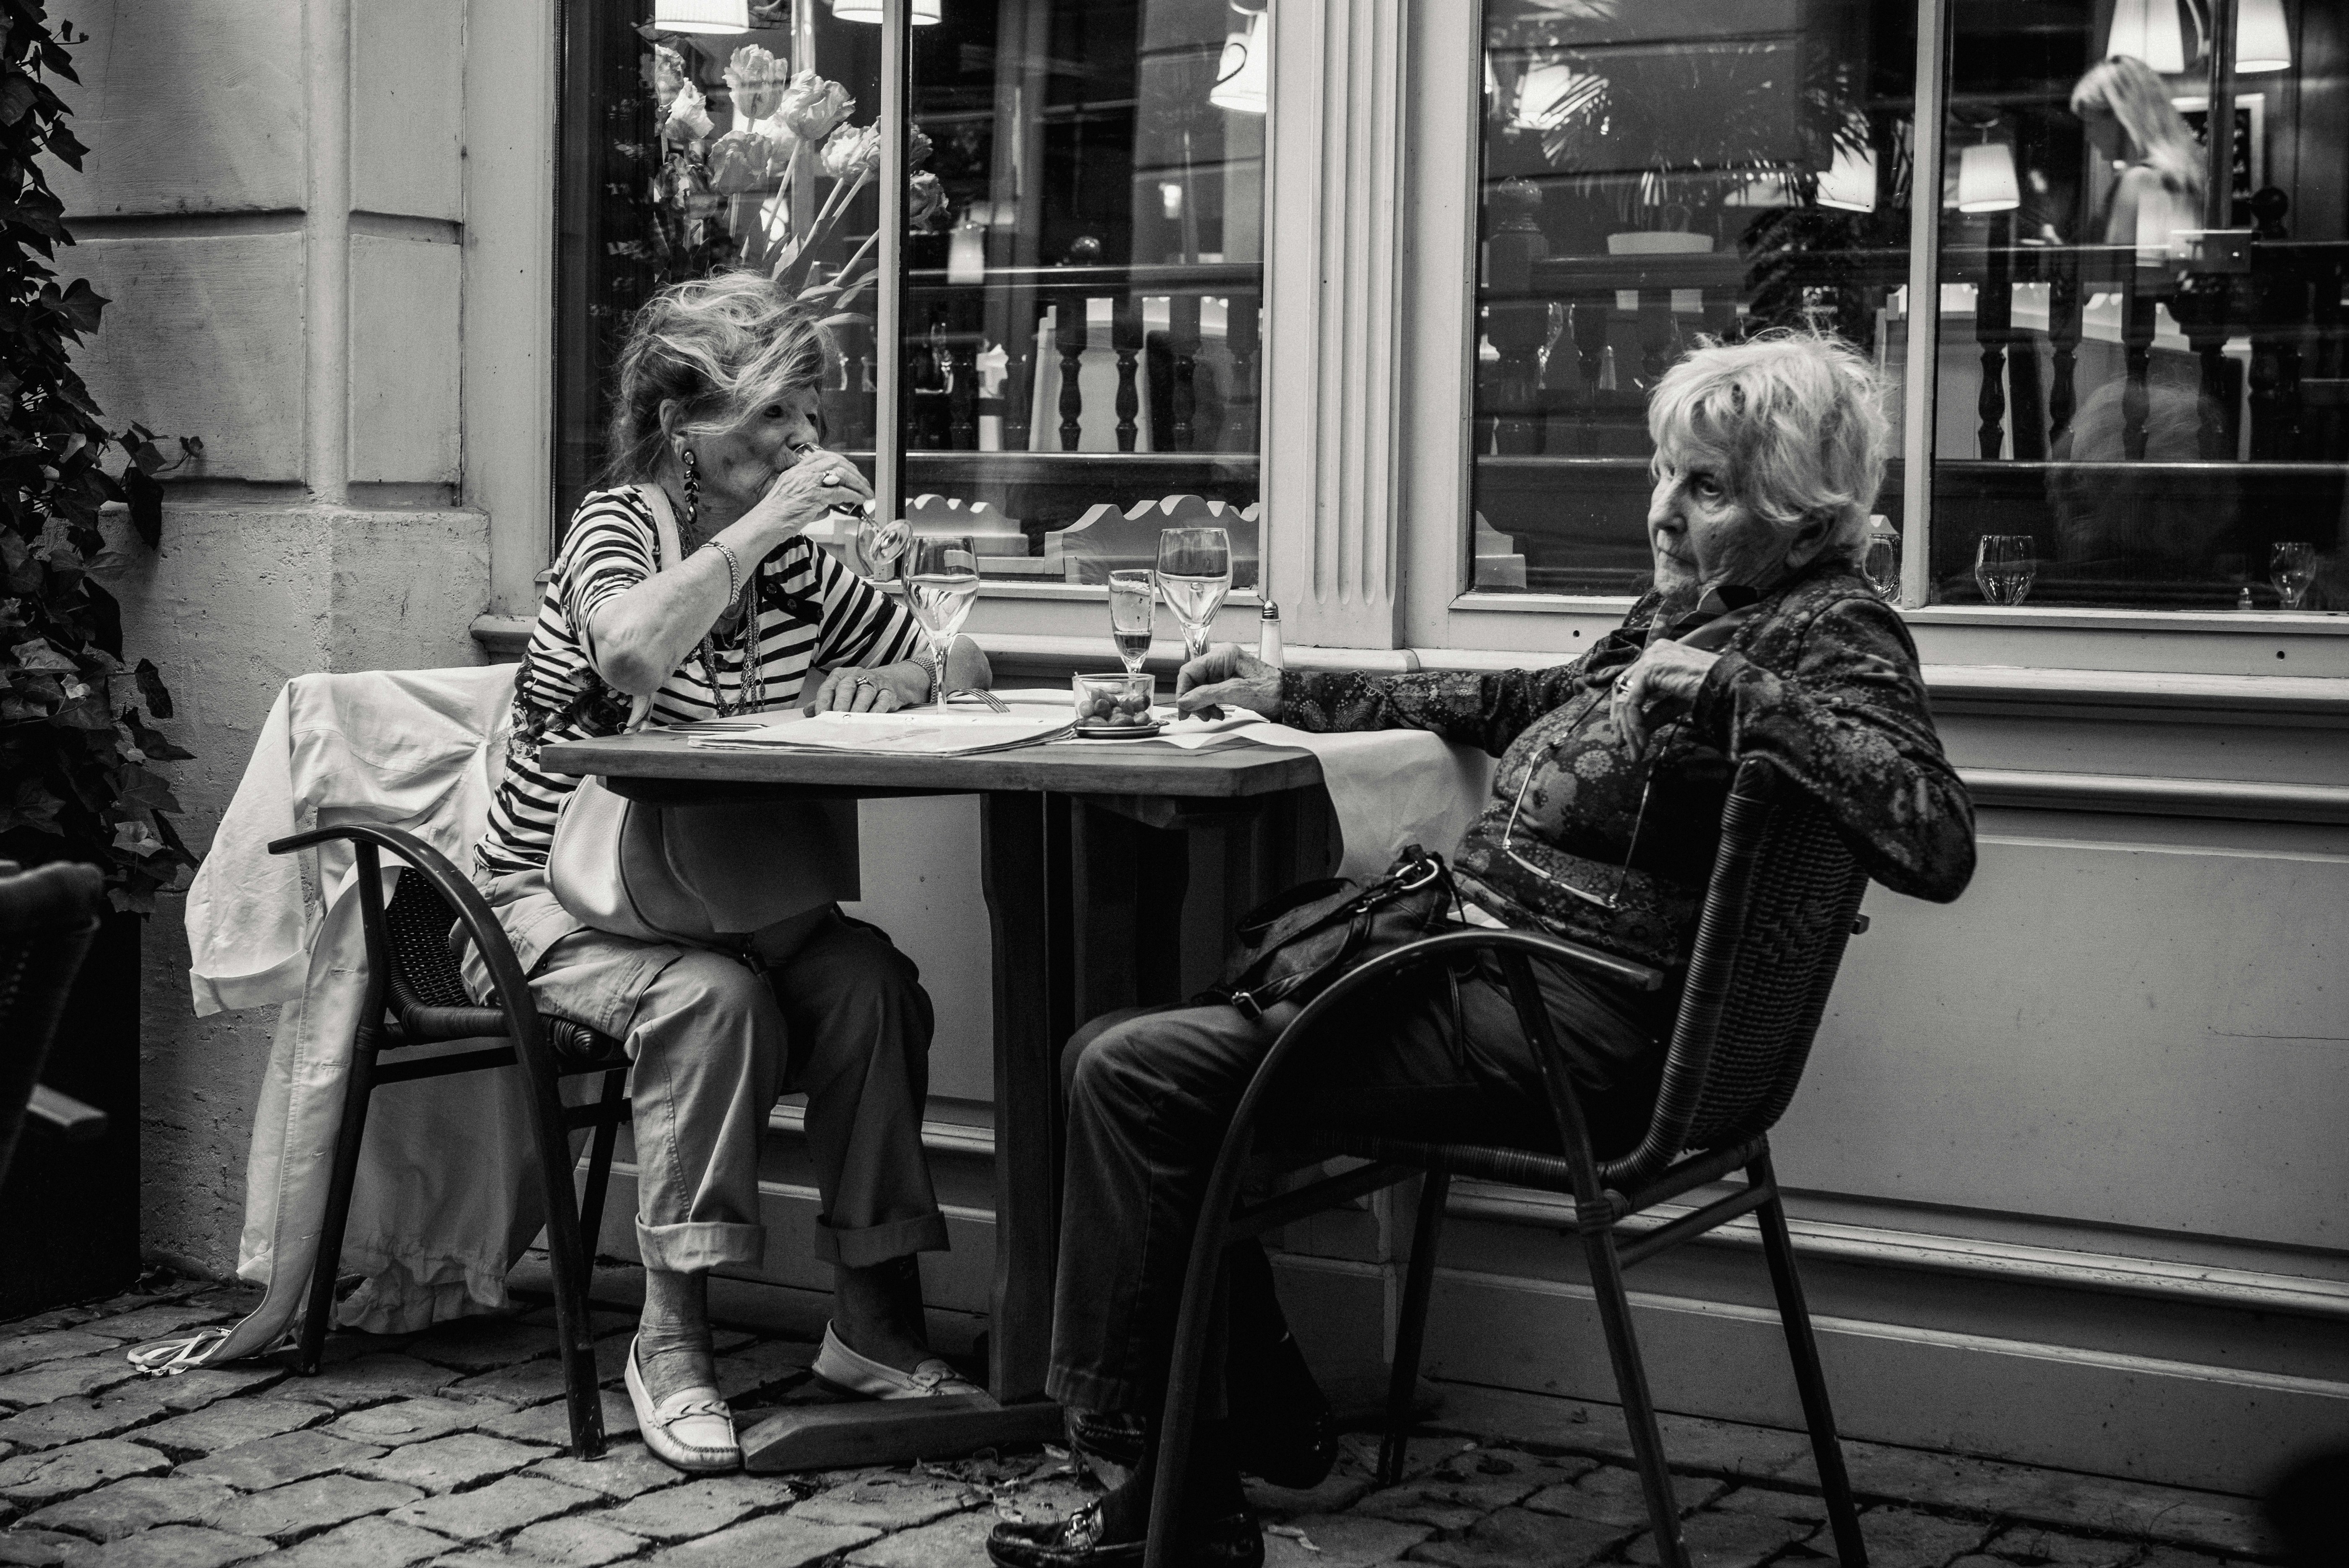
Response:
column 1268, row 635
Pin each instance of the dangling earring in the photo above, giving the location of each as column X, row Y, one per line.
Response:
column 692, row 483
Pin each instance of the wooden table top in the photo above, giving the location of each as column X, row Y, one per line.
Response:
column 1068, row 767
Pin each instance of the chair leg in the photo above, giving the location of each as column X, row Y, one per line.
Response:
column 1795, row 1316
column 571, row 1261
column 1638, row 1408
column 1411, row 1332
column 318, row 1315
column 599, row 1158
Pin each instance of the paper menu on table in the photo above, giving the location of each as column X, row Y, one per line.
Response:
column 926, row 732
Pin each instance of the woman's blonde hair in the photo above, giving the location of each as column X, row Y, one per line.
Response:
column 722, row 348
column 1794, row 420
column 2126, row 89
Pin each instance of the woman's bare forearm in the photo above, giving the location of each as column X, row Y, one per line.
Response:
column 641, row 635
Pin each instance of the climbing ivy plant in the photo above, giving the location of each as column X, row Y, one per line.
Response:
column 78, row 732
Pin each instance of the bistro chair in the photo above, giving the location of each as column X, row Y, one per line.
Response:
column 48, row 916
column 416, row 997
column 1783, row 898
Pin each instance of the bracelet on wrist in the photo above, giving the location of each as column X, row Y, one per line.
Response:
column 733, row 570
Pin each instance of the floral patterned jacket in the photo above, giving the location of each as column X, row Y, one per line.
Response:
column 1819, row 675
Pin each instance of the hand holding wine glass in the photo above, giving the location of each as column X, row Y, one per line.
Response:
column 941, row 576
column 1195, row 573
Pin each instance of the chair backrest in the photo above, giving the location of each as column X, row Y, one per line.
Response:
column 48, row 917
column 1784, row 894
column 424, row 971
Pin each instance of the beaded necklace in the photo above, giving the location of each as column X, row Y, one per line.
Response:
column 750, row 673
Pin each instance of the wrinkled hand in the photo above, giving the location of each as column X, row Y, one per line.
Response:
column 852, row 690
column 1228, row 673
column 1665, row 672
column 803, row 493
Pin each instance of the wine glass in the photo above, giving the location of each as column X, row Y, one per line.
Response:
column 1881, row 563
column 2291, row 567
column 2004, row 566
column 1132, row 609
column 1195, row 573
column 879, row 540
column 941, row 577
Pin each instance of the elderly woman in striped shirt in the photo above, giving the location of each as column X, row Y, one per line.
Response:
column 717, row 406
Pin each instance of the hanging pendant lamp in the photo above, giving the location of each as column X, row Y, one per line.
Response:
column 2149, row 30
column 701, row 16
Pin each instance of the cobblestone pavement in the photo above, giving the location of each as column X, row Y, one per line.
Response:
column 445, row 1447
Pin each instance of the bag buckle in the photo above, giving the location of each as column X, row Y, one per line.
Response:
column 1246, row 1003
column 1421, row 875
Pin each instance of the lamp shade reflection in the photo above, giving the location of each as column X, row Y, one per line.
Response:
column 701, row 16
column 1550, row 91
column 1849, row 183
column 1243, row 77
column 2149, row 30
column 2262, row 40
column 1986, row 181
column 926, row 12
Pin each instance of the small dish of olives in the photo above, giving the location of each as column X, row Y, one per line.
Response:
column 1115, row 707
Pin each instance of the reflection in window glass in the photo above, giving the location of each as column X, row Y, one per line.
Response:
column 685, row 152
column 1083, row 279
column 2140, row 369
column 1654, row 172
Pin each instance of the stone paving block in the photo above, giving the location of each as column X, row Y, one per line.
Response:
column 2172, row 1557
column 1610, row 1494
column 59, row 1345
column 1543, row 1421
column 228, row 1424
column 2169, row 1516
column 1809, row 1506
column 135, row 1503
column 699, row 1508
column 64, row 1379
column 959, row 1541
column 602, row 1321
column 1340, row 1490
column 536, row 1382
column 278, row 1461
column 132, row 1404
column 364, row 1543
column 177, row 1546
column 405, row 1422
column 576, row 1543
column 887, row 1501
column 2035, row 1544
column 287, row 1512
column 1450, row 1505
column 31, row 1479
column 783, row 1542
column 1360, row 1451
column 1339, row 1540
column 447, row 1464
column 1728, row 1540
column 1515, row 1538
column 760, row 1366
column 480, row 1344
column 1904, row 1538
column 551, row 1423
column 495, row 1510
column 367, row 1379
column 155, row 1322
column 625, row 1470
column 25, row 1547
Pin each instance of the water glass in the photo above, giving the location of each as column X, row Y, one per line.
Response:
column 1881, row 563
column 941, row 577
column 1195, row 573
column 1133, row 612
column 2004, row 566
column 2291, row 567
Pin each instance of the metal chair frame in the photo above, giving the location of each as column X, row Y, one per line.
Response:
column 48, row 917
column 1783, row 900
column 396, row 1011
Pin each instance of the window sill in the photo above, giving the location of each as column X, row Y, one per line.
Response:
column 1085, row 593
column 2255, row 623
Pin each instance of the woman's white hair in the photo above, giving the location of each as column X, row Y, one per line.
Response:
column 1794, row 422
column 721, row 348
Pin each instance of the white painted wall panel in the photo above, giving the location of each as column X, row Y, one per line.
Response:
column 404, row 300
column 188, row 109
column 921, row 886
column 204, row 337
column 2146, row 1031
column 408, row 65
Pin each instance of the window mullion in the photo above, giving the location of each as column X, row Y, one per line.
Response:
column 889, row 356
column 1917, row 411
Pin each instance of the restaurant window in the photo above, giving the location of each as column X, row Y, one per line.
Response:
column 2139, row 392
column 1074, row 281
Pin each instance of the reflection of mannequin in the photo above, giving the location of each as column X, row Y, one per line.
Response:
column 2128, row 116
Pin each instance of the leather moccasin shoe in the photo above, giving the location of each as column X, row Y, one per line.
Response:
column 691, row 1430
column 1235, row 1541
column 842, row 1371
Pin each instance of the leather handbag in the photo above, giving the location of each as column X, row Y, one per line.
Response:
column 1300, row 944
column 701, row 875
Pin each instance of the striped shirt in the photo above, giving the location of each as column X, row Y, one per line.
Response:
column 813, row 612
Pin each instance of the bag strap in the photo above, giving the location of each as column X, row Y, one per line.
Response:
column 667, row 551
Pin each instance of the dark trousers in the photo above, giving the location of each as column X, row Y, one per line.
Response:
column 1434, row 1055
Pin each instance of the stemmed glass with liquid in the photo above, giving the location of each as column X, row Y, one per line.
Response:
column 1195, row 573
column 879, row 542
column 2004, row 566
column 1132, row 613
column 2291, row 567
column 941, row 576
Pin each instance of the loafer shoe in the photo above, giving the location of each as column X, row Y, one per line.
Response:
column 839, row 1368
column 1234, row 1541
column 691, row 1430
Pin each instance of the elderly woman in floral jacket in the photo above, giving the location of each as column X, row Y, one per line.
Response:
column 1760, row 639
